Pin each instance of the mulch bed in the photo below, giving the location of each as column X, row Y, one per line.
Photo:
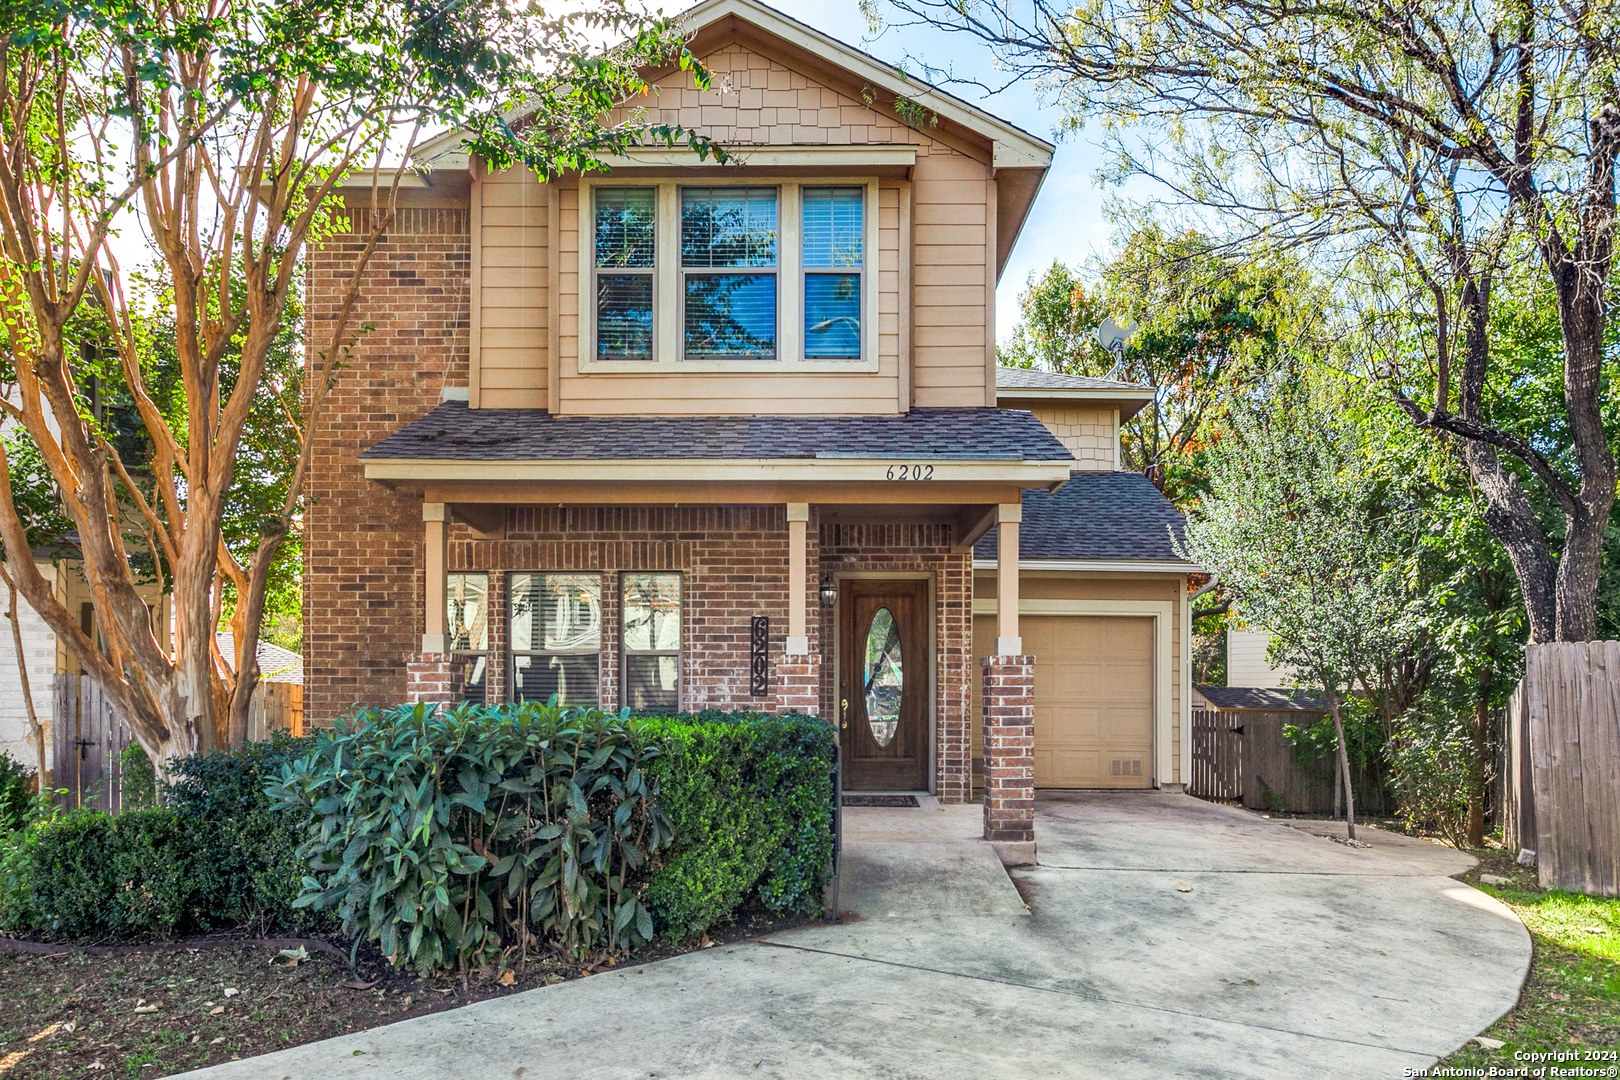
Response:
column 162, row 1008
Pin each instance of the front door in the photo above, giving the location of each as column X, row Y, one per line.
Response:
column 883, row 684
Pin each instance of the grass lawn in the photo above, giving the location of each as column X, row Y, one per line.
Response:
column 1571, row 998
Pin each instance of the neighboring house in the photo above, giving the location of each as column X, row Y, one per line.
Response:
column 690, row 436
column 1246, row 663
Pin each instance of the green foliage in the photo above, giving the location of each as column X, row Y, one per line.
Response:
column 448, row 835
column 1432, row 772
column 245, row 850
column 17, row 793
column 140, row 778
column 748, row 796
column 91, row 874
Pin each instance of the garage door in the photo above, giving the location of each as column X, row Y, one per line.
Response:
column 1093, row 698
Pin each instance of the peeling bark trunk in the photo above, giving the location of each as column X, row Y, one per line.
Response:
column 42, row 777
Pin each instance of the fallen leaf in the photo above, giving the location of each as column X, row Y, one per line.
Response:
column 507, row 978
column 146, row 1008
column 231, row 991
column 1182, row 886
column 356, row 984
column 69, row 1026
column 216, row 1041
column 704, row 942
column 216, row 1010
column 1556, row 996
column 293, row 957
column 95, row 1065
column 195, row 1039
column 1489, row 1043
column 1596, row 929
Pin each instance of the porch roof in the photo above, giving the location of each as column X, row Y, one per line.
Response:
column 1101, row 516
column 454, row 432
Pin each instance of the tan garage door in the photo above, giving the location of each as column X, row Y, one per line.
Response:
column 1093, row 698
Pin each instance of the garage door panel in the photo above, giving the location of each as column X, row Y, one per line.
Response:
column 1093, row 700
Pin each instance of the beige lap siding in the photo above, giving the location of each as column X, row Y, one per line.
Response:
column 363, row 545
column 514, row 292
column 877, row 550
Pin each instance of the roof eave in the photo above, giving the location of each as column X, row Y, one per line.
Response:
column 1099, row 566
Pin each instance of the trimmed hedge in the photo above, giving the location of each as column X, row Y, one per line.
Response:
column 215, row 854
column 749, row 797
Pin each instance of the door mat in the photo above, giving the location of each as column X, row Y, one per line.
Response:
column 896, row 801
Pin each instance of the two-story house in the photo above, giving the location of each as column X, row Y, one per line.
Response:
column 691, row 436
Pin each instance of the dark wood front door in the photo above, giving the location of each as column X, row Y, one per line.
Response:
column 883, row 684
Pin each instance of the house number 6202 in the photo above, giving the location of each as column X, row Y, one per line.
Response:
column 910, row 472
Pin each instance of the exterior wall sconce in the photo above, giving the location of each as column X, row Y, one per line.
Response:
column 829, row 592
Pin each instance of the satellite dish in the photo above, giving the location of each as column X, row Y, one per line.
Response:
column 1112, row 335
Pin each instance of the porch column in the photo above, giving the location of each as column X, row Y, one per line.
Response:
column 798, row 637
column 798, row 672
column 430, row 675
column 1009, row 712
column 1008, row 517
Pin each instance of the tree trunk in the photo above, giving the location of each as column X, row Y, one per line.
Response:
column 1582, row 318
column 1476, row 789
column 1344, row 764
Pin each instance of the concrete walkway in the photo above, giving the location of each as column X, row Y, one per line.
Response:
column 1162, row 937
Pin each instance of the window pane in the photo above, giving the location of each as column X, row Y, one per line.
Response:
column 556, row 612
column 624, row 226
column 474, row 679
column 728, row 227
column 652, row 612
column 832, row 315
column 467, row 617
column 652, row 682
column 731, row 315
column 574, row 679
column 624, row 316
column 832, row 227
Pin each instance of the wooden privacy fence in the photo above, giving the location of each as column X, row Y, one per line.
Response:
column 1561, row 791
column 1242, row 754
column 89, row 736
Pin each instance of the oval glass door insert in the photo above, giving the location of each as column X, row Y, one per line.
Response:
column 884, row 677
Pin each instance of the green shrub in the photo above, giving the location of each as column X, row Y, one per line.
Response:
column 140, row 778
column 749, row 798
column 447, row 836
column 91, row 874
column 1432, row 771
column 246, row 862
column 17, row 793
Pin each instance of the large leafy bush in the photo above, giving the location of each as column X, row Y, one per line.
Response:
column 92, row 874
column 448, row 836
column 749, row 797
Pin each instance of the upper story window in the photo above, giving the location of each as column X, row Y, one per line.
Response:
column 728, row 273
column 834, row 239
column 625, row 241
column 730, row 277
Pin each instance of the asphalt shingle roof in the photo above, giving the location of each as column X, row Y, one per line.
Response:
column 1096, row 515
column 1013, row 378
column 1267, row 699
column 454, row 432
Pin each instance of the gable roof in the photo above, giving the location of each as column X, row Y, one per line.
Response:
column 1105, row 516
column 275, row 663
column 454, row 432
column 1013, row 147
column 1030, row 384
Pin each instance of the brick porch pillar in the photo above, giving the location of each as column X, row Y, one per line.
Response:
column 798, row 677
column 798, row 672
column 432, row 677
column 1009, row 756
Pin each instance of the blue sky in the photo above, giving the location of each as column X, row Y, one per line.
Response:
column 1067, row 222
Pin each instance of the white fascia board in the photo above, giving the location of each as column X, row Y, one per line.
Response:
column 1111, row 393
column 1099, row 566
column 851, row 156
column 1029, row 474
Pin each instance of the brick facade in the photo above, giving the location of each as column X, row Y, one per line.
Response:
column 1009, row 748
column 431, row 678
column 876, row 550
column 363, row 544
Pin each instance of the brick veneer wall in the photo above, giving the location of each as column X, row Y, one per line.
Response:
column 363, row 545
column 432, row 678
column 889, row 549
column 1009, row 748
column 733, row 562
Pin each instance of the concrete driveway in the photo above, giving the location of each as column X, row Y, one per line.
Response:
column 1162, row 937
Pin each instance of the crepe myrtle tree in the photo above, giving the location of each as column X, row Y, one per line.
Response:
column 215, row 136
column 1305, row 539
column 1421, row 148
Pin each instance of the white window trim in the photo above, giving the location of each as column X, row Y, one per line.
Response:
column 667, row 280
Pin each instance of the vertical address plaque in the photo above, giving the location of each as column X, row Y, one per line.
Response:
column 759, row 640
